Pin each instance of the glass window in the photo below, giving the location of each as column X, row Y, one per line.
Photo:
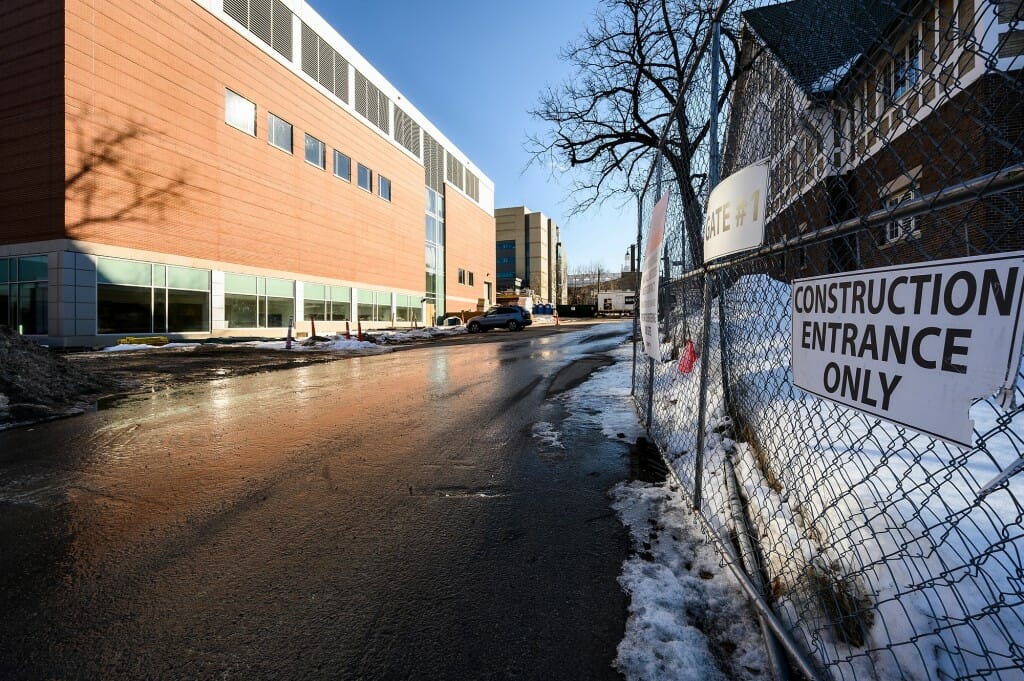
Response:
column 5, row 268
column 365, row 310
column 239, row 112
column 279, row 311
column 314, row 291
column 315, row 152
column 383, row 307
column 33, row 268
column 341, row 303
column 32, row 308
column 470, row 280
column 506, row 245
column 241, row 311
column 123, row 309
column 342, row 166
column 384, row 187
column 281, row 288
column 126, row 272
column 159, row 275
column 159, row 310
column 365, row 177
column 5, row 304
column 240, row 283
column 462, row 276
column 314, row 304
column 188, row 277
column 188, row 310
column 279, row 132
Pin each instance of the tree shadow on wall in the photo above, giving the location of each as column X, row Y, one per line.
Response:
column 111, row 180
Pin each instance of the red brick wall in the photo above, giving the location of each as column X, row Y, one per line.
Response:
column 470, row 240
column 185, row 182
column 32, row 55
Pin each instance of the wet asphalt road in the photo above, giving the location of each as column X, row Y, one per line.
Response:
column 387, row 517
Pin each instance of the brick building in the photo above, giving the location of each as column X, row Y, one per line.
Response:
column 884, row 103
column 217, row 167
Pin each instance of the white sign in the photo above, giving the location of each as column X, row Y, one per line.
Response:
column 913, row 344
column 650, row 281
column 735, row 218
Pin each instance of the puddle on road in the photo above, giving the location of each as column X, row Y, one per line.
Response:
column 645, row 462
column 461, row 492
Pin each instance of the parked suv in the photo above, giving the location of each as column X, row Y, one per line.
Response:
column 511, row 317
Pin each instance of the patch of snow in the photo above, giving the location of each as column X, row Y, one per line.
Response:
column 144, row 346
column 546, row 433
column 688, row 618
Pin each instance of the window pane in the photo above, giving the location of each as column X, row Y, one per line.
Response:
column 240, row 283
column 33, row 268
column 188, row 310
column 5, row 268
column 159, row 310
column 279, row 133
column 402, row 314
column 123, row 309
column 239, row 112
column 341, row 294
column 159, row 275
column 342, row 166
column 315, row 292
column 5, row 305
column 314, row 151
column 365, row 312
column 240, row 311
column 341, row 312
column 365, row 177
column 470, row 281
column 314, row 307
column 281, row 288
column 384, row 187
column 188, row 277
column 279, row 311
column 365, row 296
column 126, row 272
column 32, row 308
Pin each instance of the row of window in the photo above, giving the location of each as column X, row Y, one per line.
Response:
column 272, row 23
column 23, row 293
column 240, row 113
column 463, row 279
column 141, row 297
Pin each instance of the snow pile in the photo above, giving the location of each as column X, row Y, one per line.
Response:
column 411, row 335
column 36, row 383
column 328, row 344
column 125, row 347
column 688, row 617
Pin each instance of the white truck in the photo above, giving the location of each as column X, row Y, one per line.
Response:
column 619, row 303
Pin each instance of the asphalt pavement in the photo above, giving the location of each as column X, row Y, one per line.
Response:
column 385, row 517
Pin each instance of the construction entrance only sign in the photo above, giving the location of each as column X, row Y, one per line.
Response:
column 913, row 344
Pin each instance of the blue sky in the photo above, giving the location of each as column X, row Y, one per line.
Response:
column 475, row 68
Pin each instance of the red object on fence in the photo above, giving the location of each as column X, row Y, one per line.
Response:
column 688, row 357
column 359, row 328
column 348, row 333
column 556, row 318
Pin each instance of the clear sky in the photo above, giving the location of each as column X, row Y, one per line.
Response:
column 475, row 68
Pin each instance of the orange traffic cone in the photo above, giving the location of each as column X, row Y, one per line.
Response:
column 348, row 333
column 359, row 328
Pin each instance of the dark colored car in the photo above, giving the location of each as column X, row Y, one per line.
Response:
column 511, row 317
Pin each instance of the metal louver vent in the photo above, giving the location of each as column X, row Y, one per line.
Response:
column 310, row 58
column 455, row 171
column 407, row 131
column 282, row 30
column 473, row 186
column 383, row 112
column 268, row 20
column 433, row 163
column 361, row 107
column 259, row 19
column 238, row 10
column 326, row 77
column 341, row 78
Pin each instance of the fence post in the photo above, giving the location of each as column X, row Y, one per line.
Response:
column 636, row 281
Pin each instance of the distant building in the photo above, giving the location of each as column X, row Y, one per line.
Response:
column 218, row 167
column 529, row 254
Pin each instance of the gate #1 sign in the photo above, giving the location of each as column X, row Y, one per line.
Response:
column 913, row 344
column 734, row 221
column 650, row 281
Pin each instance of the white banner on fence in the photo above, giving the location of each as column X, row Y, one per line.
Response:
column 650, row 280
column 734, row 220
column 913, row 344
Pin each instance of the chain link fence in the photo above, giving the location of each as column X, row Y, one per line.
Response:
column 893, row 134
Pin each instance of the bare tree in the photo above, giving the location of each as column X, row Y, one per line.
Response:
column 635, row 73
column 585, row 282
